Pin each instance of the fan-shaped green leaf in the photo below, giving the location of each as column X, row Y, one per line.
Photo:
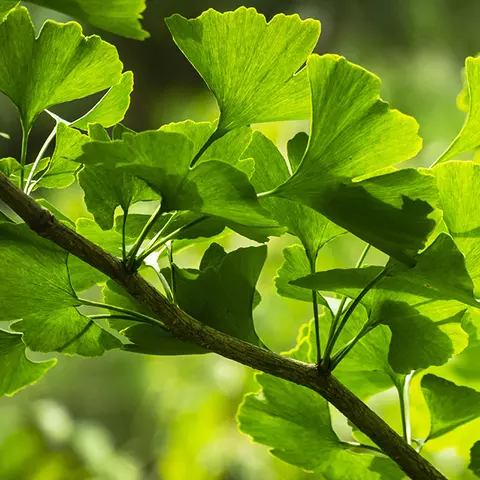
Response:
column 250, row 65
column 355, row 133
column 469, row 137
column 59, row 66
column 16, row 370
column 450, row 405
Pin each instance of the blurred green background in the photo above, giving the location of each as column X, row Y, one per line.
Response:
column 127, row 417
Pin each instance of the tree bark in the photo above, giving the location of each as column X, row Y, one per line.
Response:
column 188, row 329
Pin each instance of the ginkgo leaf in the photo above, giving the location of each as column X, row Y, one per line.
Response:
column 450, row 405
column 37, row 289
column 233, row 280
column 61, row 170
column 469, row 137
column 271, row 169
column 162, row 159
column 105, row 190
column 59, row 66
column 354, row 133
column 250, row 65
column 296, row 265
column 16, row 370
column 295, row 423
column 117, row 16
column 66, row 331
column 111, row 108
column 459, row 197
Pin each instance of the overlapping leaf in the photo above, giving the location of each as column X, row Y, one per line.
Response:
column 459, row 197
column 250, row 65
column 295, row 422
column 37, row 289
column 221, row 295
column 354, row 133
column 16, row 370
column 450, row 405
column 271, row 170
column 469, row 137
column 59, row 66
column 162, row 159
column 117, row 16
column 474, row 464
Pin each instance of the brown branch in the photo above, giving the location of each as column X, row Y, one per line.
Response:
column 187, row 328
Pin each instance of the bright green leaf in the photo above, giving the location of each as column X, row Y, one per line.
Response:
column 221, row 295
column 271, row 169
column 450, row 405
column 162, row 159
column 249, row 64
column 469, row 137
column 459, row 197
column 37, row 289
column 354, row 133
column 59, row 66
column 61, row 170
column 16, row 370
column 113, row 106
column 295, row 422
column 66, row 331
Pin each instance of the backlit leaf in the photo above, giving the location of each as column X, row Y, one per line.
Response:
column 250, row 65
column 59, row 66
column 469, row 137
column 450, row 405
column 354, row 133
column 16, row 370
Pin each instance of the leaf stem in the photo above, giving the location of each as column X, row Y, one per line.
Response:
column 162, row 230
column 29, row 185
column 143, row 234
column 403, row 388
column 338, row 314
column 349, row 313
column 169, row 246
column 23, row 154
column 124, row 233
column 315, row 315
column 137, row 315
column 164, row 240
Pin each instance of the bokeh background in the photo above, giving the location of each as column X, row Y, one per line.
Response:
column 128, row 417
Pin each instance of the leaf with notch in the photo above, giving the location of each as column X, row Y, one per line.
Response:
column 469, row 137
column 17, row 371
column 250, row 65
column 271, row 169
column 58, row 66
column 354, row 133
column 37, row 289
column 295, row 422
column 111, row 108
column 162, row 159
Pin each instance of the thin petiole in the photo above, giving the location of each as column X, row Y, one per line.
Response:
column 338, row 314
column 316, row 316
column 29, row 185
column 140, row 317
column 132, row 256
column 403, row 388
column 124, row 232
column 164, row 240
column 169, row 246
column 23, row 155
column 162, row 231
column 349, row 313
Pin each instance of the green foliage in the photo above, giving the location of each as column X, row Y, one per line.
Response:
column 378, row 325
